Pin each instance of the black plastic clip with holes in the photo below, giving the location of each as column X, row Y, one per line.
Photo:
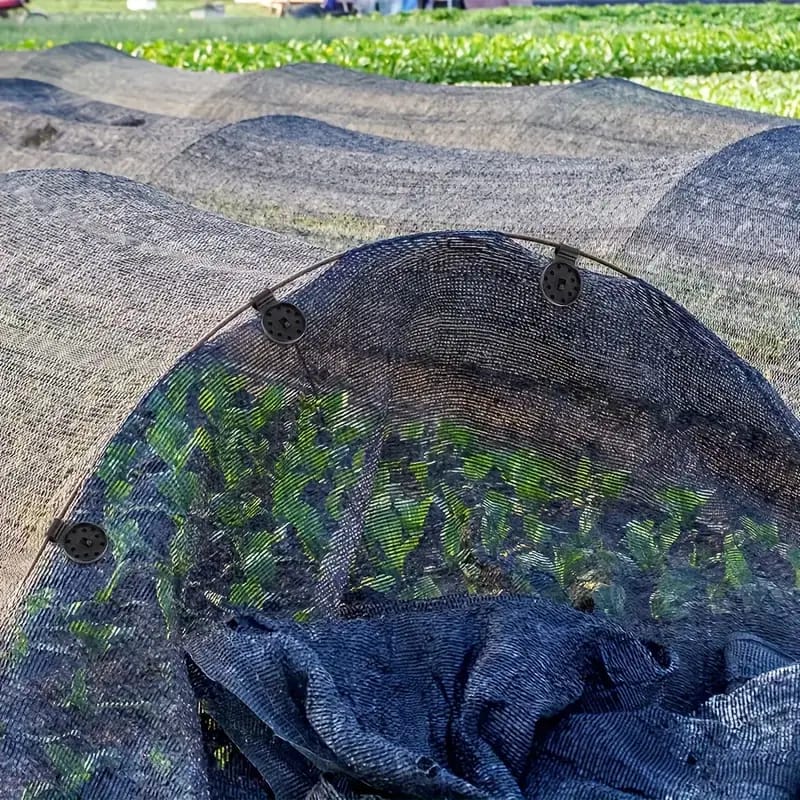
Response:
column 82, row 542
column 282, row 323
column 561, row 280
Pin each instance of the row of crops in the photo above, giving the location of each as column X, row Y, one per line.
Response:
column 742, row 55
column 504, row 58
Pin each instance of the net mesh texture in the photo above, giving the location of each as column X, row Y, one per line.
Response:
column 455, row 542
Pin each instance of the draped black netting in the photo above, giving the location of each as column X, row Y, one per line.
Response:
column 457, row 540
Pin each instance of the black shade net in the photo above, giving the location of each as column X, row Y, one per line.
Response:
column 444, row 518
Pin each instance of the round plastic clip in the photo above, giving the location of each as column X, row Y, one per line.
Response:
column 561, row 281
column 283, row 323
column 84, row 542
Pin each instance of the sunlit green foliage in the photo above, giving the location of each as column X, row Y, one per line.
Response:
column 87, row 22
column 741, row 55
column 768, row 91
column 519, row 58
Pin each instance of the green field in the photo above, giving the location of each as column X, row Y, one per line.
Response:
column 741, row 55
column 770, row 92
column 84, row 20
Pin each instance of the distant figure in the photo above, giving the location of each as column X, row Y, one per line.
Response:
column 334, row 8
column 11, row 5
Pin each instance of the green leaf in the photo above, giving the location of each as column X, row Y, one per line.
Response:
column 419, row 469
column 456, row 524
column 269, row 403
column 123, row 533
column 347, row 434
column 424, row 588
column 700, row 53
column 78, row 698
column 640, row 541
column 380, row 583
column 257, row 555
column 73, row 769
column 330, row 404
column 383, row 526
column 683, row 503
column 494, row 520
column 526, row 473
column 180, row 552
column 286, row 489
column 612, row 484
column 40, row 792
column 236, row 468
column 413, row 514
column 205, row 441
column 207, row 400
column 668, row 533
column 412, row 431
column 308, row 526
column 165, row 594
column 177, row 388
column 233, row 421
column 104, row 595
column 119, row 491
column 476, row 467
column 567, row 562
column 39, row 600
column 97, row 638
column 234, row 510
column 235, row 384
column 452, row 433
column 537, row 561
column 169, row 437
column 180, row 489
column 765, row 534
column 586, row 523
column 222, row 756
column 534, row 529
column 20, row 646
column 396, row 527
column 116, row 462
column 248, row 593
column 737, row 573
column 333, row 502
column 582, row 481
column 161, row 762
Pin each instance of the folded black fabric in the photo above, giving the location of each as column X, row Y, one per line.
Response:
column 493, row 698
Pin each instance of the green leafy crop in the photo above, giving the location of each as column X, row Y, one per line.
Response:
column 515, row 58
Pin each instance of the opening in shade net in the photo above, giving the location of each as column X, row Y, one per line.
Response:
column 456, row 542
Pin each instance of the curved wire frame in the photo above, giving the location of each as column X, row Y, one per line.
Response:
column 57, row 526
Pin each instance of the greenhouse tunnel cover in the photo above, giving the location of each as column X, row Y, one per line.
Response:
column 454, row 515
